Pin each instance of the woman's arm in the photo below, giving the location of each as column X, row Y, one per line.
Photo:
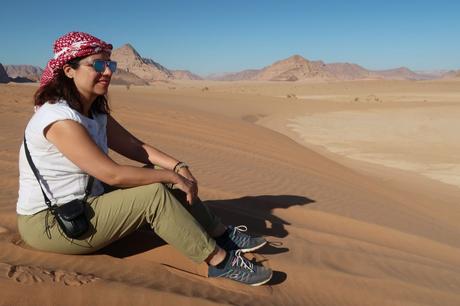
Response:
column 124, row 143
column 74, row 142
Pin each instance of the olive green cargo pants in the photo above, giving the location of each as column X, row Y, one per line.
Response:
column 116, row 214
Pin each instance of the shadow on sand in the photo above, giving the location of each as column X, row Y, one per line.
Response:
column 256, row 212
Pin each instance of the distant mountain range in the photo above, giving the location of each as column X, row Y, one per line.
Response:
column 137, row 70
column 19, row 73
column 32, row 73
column 297, row 68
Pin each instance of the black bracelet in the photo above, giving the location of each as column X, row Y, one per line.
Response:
column 174, row 169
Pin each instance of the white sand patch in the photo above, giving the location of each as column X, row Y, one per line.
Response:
column 423, row 140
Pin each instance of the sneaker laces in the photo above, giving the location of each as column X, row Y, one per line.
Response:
column 240, row 228
column 238, row 236
column 241, row 261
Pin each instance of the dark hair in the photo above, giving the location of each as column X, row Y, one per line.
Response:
column 62, row 87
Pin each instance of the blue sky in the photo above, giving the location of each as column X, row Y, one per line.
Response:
column 223, row 36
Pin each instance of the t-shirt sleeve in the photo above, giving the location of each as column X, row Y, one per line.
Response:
column 48, row 114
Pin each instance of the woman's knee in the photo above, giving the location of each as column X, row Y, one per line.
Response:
column 156, row 188
column 157, row 194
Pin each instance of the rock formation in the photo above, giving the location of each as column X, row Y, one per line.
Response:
column 29, row 72
column 292, row 69
column 3, row 75
column 129, row 60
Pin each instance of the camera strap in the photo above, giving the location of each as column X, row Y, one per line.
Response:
column 35, row 171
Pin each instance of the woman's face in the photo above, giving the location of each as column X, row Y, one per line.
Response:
column 88, row 81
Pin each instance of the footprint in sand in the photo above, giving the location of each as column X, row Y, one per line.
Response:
column 30, row 275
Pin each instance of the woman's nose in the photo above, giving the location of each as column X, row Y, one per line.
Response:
column 107, row 70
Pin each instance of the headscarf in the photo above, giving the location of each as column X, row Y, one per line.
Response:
column 68, row 47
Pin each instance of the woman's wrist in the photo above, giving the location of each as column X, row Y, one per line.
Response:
column 171, row 179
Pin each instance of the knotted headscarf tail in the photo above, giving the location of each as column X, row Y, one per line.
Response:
column 68, row 47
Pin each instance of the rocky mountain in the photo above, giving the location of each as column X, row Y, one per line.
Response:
column 138, row 70
column 25, row 72
column 185, row 75
column 292, row 69
column 130, row 61
column 3, row 75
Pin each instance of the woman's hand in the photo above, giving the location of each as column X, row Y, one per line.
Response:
column 189, row 187
column 185, row 172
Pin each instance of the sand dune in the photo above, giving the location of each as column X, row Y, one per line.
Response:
column 342, row 231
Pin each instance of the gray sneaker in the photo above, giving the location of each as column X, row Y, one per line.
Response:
column 234, row 238
column 236, row 267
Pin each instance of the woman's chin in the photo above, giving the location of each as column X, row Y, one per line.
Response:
column 102, row 88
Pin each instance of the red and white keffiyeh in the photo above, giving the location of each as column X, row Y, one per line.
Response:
column 68, row 47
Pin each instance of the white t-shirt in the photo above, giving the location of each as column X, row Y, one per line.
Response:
column 60, row 178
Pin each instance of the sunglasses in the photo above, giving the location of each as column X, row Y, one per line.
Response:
column 100, row 65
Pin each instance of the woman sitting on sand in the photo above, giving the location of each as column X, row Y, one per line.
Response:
column 68, row 139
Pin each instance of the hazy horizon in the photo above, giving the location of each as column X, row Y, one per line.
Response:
column 214, row 38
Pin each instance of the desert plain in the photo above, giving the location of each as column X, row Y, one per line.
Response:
column 355, row 184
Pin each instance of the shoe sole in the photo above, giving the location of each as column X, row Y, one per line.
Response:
column 254, row 248
column 263, row 282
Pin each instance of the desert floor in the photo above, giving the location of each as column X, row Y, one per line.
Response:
column 355, row 184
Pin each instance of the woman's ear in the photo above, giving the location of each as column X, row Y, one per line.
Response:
column 68, row 71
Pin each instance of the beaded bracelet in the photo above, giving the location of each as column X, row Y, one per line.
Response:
column 179, row 166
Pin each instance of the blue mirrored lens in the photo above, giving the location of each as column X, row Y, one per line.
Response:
column 99, row 65
column 112, row 66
